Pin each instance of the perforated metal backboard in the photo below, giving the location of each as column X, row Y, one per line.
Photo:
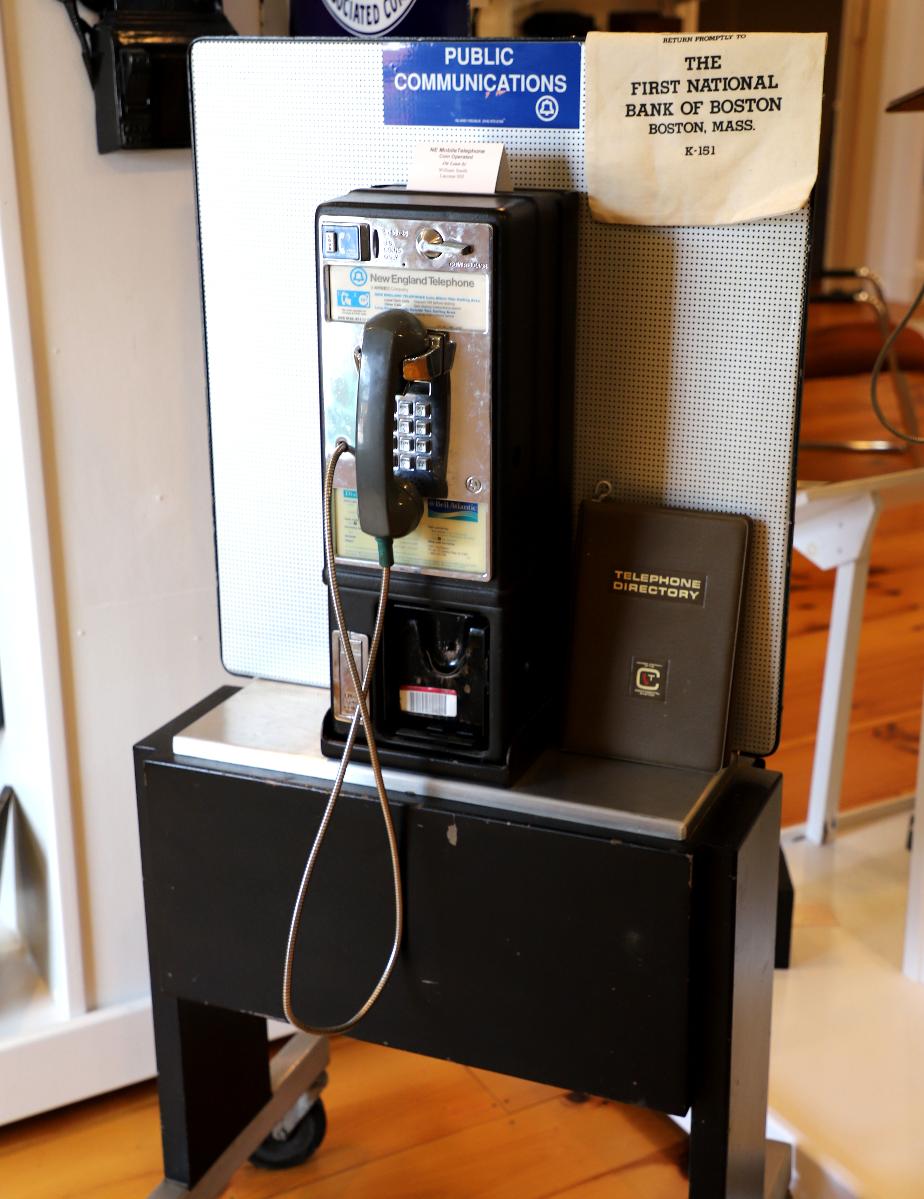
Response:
column 688, row 349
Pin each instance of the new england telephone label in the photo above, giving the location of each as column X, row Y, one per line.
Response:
column 450, row 299
column 451, row 536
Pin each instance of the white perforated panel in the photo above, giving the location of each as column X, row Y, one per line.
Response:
column 688, row 349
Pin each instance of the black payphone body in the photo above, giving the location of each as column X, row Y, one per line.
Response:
column 474, row 418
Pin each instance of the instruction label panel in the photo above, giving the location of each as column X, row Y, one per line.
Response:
column 451, row 536
column 452, row 300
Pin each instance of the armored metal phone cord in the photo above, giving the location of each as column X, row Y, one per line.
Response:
column 361, row 689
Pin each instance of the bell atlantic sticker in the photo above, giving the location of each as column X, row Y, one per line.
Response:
column 368, row 20
column 522, row 85
column 452, row 536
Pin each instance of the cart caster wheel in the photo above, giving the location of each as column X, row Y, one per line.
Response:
column 298, row 1146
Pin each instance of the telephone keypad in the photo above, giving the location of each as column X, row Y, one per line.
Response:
column 419, row 434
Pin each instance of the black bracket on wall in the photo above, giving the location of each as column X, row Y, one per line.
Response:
column 135, row 57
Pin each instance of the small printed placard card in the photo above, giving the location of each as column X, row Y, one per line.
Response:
column 476, row 169
column 701, row 128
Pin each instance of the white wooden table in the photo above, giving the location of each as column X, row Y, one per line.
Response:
column 834, row 526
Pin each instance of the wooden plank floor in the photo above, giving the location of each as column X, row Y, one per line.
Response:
column 399, row 1127
column 406, row 1127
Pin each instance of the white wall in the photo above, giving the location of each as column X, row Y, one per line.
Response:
column 898, row 162
column 112, row 282
column 39, row 899
column 876, row 198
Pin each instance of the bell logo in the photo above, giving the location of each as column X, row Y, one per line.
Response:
column 648, row 679
column 546, row 108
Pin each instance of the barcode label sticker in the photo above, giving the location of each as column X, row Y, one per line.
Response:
column 429, row 701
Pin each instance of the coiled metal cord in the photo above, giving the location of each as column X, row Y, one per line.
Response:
column 361, row 688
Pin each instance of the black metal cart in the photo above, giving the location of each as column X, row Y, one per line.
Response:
column 631, row 966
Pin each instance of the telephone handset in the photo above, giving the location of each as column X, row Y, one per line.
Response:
column 402, row 423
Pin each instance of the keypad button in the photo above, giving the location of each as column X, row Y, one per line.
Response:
column 405, row 408
column 422, row 428
column 405, row 427
column 406, row 462
column 421, row 408
column 406, row 445
column 423, row 445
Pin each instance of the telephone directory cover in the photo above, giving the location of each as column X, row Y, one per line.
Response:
column 655, row 627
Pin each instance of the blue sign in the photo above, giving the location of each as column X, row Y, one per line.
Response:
column 352, row 299
column 521, row 85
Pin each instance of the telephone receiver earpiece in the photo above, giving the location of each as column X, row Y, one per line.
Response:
column 388, row 507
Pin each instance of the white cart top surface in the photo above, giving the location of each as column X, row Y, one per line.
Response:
column 276, row 727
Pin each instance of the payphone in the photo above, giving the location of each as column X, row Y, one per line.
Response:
column 446, row 353
column 445, row 334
